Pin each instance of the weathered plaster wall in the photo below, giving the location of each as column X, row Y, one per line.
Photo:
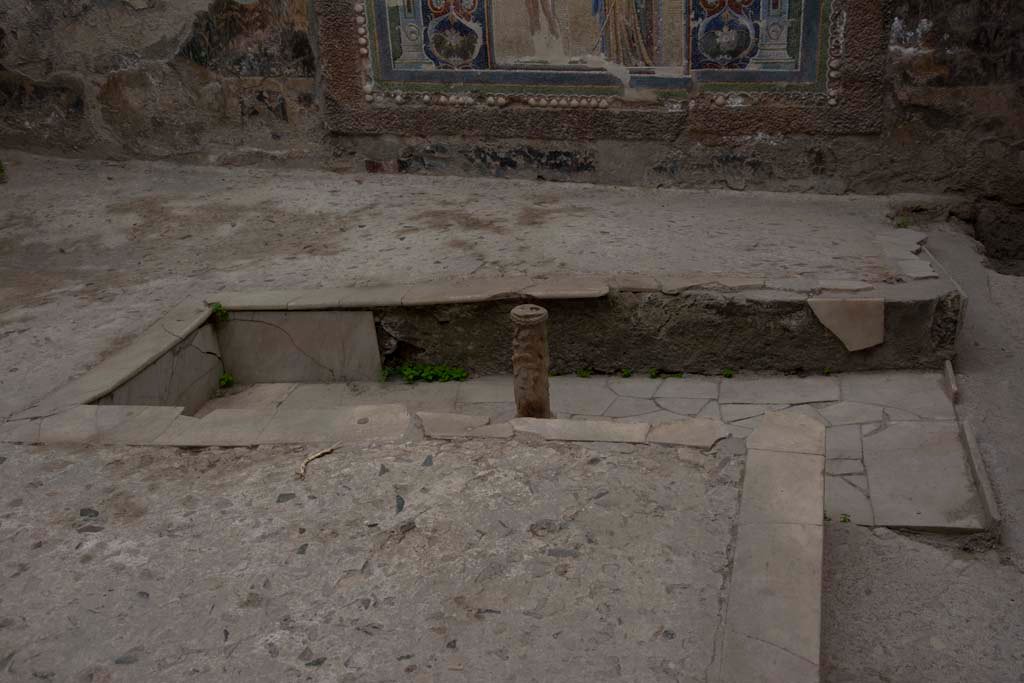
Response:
column 197, row 79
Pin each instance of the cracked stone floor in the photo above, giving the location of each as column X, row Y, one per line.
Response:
column 893, row 446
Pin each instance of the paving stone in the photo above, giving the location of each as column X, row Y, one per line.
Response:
column 27, row 431
column 789, row 432
column 919, row 477
column 633, row 282
column 775, row 593
column 444, row 425
column 656, row 418
column 858, row 323
column 682, row 406
column 770, row 295
column 917, row 269
column 581, row 395
column 806, row 410
column 219, row 428
column 789, row 390
column 698, row 432
column 843, row 442
column 75, row 425
column 688, row 387
column 313, row 396
column 842, row 497
column 748, row 423
column 673, row 284
column 141, row 425
column 498, row 431
column 373, row 296
column 251, row 396
column 634, row 387
column 844, row 466
column 844, row 285
column 498, row 412
column 751, row 660
column 848, row 413
column 711, row 410
column 583, row 430
column 464, row 291
column 920, row 393
column 256, row 300
column 486, row 390
column 630, row 407
column 437, row 397
column 568, row 287
column 741, row 411
column 351, row 424
column 781, row 488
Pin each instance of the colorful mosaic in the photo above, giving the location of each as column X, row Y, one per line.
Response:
column 657, row 44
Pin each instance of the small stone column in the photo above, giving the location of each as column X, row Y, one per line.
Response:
column 530, row 361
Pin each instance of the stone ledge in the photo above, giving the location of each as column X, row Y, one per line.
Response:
column 111, row 373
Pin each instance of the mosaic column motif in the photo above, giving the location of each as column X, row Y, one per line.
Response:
column 772, row 53
column 456, row 33
column 410, row 15
column 725, row 33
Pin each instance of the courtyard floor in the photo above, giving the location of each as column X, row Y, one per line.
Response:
column 161, row 563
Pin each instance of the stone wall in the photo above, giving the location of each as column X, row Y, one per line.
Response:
column 223, row 81
column 922, row 95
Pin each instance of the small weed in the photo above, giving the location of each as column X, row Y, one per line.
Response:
column 419, row 372
column 902, row 222
column 219, row 312
column 626, row 372
column 827, row 371
column 584, row 373
column 728, row 374
column 844, row 518
column 676, row 375
column 227, row 380
column 654, row 373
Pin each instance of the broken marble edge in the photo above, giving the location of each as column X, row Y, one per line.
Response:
column 110, row 373
column 993, row 518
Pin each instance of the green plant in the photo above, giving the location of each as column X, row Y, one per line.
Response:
column 626, row 372
column 584, row 373
column 727, row 373
column 844, row 518
column 654, row 373
column 421, row 372
column 226, row 380
column 676, row 375
column 827, row 371
column 902, row 222
column 219, row 312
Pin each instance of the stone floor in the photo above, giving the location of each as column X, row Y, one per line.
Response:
column 84, row 271
column 894, row 450
column 433, row 561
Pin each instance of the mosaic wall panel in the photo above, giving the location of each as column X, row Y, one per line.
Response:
column 598, row 44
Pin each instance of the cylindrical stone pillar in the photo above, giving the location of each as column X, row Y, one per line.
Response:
column 530, row 361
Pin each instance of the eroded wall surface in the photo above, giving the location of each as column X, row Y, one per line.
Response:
column 224, row 80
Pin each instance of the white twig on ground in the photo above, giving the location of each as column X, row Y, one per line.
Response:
column 301, row 472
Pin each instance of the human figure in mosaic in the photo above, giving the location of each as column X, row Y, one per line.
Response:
column 621, row 28
column 535, row 8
